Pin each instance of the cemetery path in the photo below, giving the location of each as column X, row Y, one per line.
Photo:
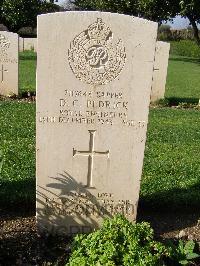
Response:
column 20, row 245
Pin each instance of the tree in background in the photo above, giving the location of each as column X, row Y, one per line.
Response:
column 118, row 6
column 1, row 3
column 191, row 9
column 68, row 5
column 156, row 10
column 23, row 13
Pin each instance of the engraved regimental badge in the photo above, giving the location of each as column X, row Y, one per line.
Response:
column 4, row 43
column 94, row 56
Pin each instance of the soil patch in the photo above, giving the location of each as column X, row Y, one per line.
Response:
column 20, row 244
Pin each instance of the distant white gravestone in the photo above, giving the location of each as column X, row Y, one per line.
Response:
column 30, row 44
column 27, row 44
column 21, row 44
column 93, row 97
column 8, row 63
column 160, row 71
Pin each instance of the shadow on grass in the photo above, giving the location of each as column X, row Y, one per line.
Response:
column 186, row 59
column 17, row 195
column 175, row 101
column 29, row 93
column 20, row 197
column 184, row 200
column 171, row 210
column 22, row 193
column 26, row 247
column 169, row 222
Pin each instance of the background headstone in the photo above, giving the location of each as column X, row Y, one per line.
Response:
column 21, row 44
column 9, row 53
column 27, row 44
column 160, row 71
column 94, row 78
column 30, row 44
column 3, row 27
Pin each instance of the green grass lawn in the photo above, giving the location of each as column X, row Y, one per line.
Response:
column 183, row 79
column 171, row 175
column 27, row 72
column 183, row 75
column 171, row 169
column 17, row 144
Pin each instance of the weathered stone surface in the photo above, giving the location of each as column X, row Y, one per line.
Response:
column 93, row 92
column 8, row 63
column 160, row 71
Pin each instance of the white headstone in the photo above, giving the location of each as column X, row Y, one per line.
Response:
column 30, row 44
column 94, row 80
column 27, row 44
column 160, row 71
column 21, row 44
column 9, row 47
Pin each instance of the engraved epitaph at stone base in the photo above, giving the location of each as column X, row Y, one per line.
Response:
column 160, row 71
column 8, row 63
column 91, row 132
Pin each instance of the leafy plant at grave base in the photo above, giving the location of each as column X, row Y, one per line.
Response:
column 118, row 242
column 184, row 253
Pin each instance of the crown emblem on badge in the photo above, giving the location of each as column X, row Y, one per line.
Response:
column 99, row 31
column 95, row 56
column 4, row 43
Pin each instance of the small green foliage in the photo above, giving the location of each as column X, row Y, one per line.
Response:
column 184, row 253
column 122, row 243
column 118, row 242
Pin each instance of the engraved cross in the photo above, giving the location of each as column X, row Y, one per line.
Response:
column 2, row 72
column 91, row 154
column 156, row 69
